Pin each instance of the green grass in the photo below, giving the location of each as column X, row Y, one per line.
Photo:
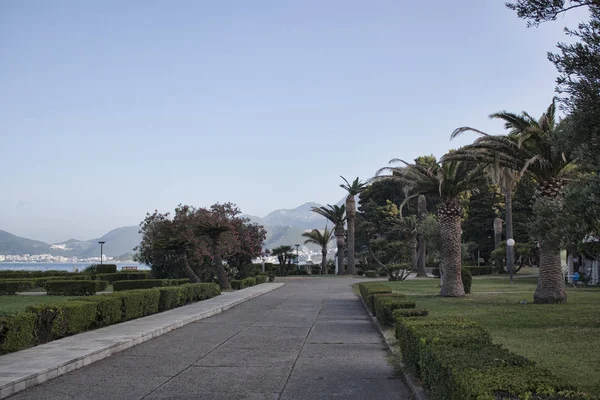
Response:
column 21, row 302
column 563, row 338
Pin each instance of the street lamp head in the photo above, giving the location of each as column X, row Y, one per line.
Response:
column 101, row 242
column 510, row 242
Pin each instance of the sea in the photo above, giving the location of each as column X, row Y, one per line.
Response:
column 71, row 267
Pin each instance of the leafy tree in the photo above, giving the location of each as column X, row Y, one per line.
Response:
column 337, row 215
column 408, row 228
column 446, row 181
column 478, row 226
column 284, row 256
column 353, row 190
column 538, row 11
column 321, row 239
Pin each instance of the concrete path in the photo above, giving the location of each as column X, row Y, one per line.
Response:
column 311, row 339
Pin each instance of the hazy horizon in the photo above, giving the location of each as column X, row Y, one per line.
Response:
column 111, row 110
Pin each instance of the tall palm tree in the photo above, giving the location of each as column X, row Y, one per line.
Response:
column 215, row 230
column 337, row 215
column 422, row 243
column 529, row 148
column 447, row 181
column 353, row 190
column 320, row 239
column 284, row 256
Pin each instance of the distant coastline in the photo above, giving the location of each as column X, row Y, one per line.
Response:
column 79, row 266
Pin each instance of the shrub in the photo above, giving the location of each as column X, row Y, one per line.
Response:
column 7, row 274
column 371, row 274
column 436, row 272
column 57, row 320
column 139, row 284
column 261, row 278
column 236, row 284
column 122, row 276
column 108, row 309
column 371, row 296
column 170, row 297
column 138, row 303
column 483, row 372
column 11, row 287
column 414, row 334
column 364, row 288
column 249, row 282
column 186, row 293
column 271, row 277
column 466, row 279
column 385, row 304
column 16, row 331
column 101, row 269
column 74, row 288
column 408, row 313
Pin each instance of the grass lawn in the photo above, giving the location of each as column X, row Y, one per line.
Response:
column 563, row 338
column 20, row 302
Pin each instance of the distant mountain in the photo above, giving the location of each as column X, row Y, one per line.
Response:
column 12, row 244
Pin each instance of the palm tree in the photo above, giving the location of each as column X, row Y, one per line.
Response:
column 320, row 239
column 214, row 230
column 353, row 190
column 529, row 148
column 447, row 181
column 337, row 215
column 409, row 228
column 284, row 256
column 422, row 243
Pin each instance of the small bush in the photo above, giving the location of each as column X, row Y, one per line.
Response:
column 271, row 277
column 414, row 334
column 119, row 286
column 16, row 331
column 249, row 282
column 364, row 288
column 108, row 309
column 371, row 274
column 74, row 288
column 261, row 278
column 236, row 284
column 8, row 287
column 122, row 276
column 408, row 313
column 385, row 304
column 101, row 269
column 483, row 372
column 138, row 303
column 466, row 279
column 370, row 300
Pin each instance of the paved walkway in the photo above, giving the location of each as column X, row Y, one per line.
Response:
column 311, row 339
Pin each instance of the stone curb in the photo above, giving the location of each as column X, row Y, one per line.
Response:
column 418, row 393
column 26, row 368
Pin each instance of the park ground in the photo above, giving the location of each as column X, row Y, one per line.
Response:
column 563, row 337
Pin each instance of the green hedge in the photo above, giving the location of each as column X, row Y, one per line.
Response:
column 467, row 279
column 373, row 295
column 74, row 288
column 365, row 288
column 484, row 372
column 138, row 303
column 385, row 304
column 414, row 334
column 261, row 278
column 146, row 283
column 108, row 309
column 170, row 297
column 6, row 274
column 16, row 331
column 408, row 313
column 106, row 268
column 251, row 281
column 8, row 287
column 57, row 320
column 371, row 274
column 122, row 276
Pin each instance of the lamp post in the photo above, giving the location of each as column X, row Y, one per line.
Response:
column 101, row 245
column 297, row 257
column 510, row 243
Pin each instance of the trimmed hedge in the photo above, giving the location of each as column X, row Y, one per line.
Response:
column 108, row 309
column 236, row 284
column 7, row 274
column 146, row 283
column 122, row 276
column 484, row 372
column 371, row 274
column 261, row 278
column 170, row 297
column 385, row 305
column 408, row 313
column 106, row 268
column 16, row 331
column 11, row 287
column 58, row 320
column 74, row 288
column 365, row 288
column 138, row 303
column 373, row 294
column 467, row 279
column 249, row 282
column 414, row 334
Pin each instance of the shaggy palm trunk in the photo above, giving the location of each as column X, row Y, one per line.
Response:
column 550, row 287
column 351, row 216
column 221, row 274
column 414, row 253
column 323, row 259
column 339, row 236
column 421, row 210
column 450, row 232
column 189, row 271
column 510, row 250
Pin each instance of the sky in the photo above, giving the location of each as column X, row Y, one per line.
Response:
column 112, row 109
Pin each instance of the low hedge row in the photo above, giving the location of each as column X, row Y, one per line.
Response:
column 238, row 284
column 262, row 278
column 43, row 323
column 386, row 304
column 371, row 274
column 74, row 287
column 146, row 283
column 12, row 286
column 122, row 276
column 366, row 288
column 6, row 274
column 456, row 360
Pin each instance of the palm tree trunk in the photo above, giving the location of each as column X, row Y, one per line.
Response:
column 221, row 274
column 189, row 271
column 550, row 287
column 450, row 232
column 421, row 210
column 351, row 225
column 510, row 250
column 414, row 254
column 340, row 254
column 323, row 259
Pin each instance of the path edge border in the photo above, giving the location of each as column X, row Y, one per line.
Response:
column 43, row 376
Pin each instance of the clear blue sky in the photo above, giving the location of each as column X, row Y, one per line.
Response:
column 110, row 109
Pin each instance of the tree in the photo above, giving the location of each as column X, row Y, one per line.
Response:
column 321, row 239
column 478, row 226
column 284, row 256
column 421, row 240
column 353, row 190
column 446, row 181
column 538, row 11
column 408, row 227
column 529, row 148
column 337, row 216
column 215, row 230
